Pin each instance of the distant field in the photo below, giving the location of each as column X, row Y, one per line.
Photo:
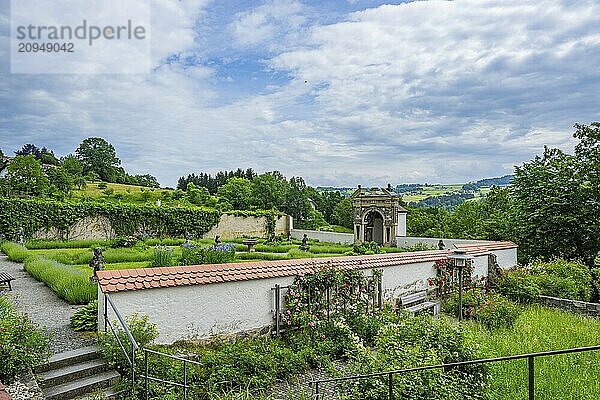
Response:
column 93, row 190
column 433, row 191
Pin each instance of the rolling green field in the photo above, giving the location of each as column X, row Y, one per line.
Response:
column 433, row 191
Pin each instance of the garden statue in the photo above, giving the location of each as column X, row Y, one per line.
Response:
column 21, row 237
column 304, row 245
column 97, row 263
column 441, row 245
column 217, row 239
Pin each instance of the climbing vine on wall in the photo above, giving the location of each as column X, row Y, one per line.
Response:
column 29, row 216
column 331, row 293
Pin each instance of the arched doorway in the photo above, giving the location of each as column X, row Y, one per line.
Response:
column 374, row 227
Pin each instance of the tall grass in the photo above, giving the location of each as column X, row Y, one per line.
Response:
column 111, row 256
column 65, row 244
column 68, row 282
column 14, row 251
column 571, row 376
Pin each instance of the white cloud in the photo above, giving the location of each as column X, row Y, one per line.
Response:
column 268, row 23
column 426, row 91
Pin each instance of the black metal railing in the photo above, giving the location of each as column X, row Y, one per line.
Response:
column 130, row 357
column 148, row 378
column 318, row 384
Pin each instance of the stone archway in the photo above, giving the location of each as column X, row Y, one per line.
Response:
column 373, row 223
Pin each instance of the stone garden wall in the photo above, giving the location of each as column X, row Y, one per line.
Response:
column 229, row 227
column 582, row 307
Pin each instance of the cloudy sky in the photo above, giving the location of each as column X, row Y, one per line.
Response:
column 339, row 92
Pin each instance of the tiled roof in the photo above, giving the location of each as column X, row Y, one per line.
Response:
column 148, row 278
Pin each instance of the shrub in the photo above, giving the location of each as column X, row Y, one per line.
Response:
column 68, row 282
column 65, row 244
column 142, row 331
column 191, row 254
column 163, row 256
column 492, row 310
column 22, row 345
column 518, row 285
column 414, row 342
column 557, row 278
column 365, row 248
column 561, row 278
column 14, row 251
column 86, row 318
column 219, row 254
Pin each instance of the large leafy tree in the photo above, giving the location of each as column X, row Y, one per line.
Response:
column 556, row 201
column 237, row 191
column 25, row 177
column 268, row 190
column 295, row 200
column 343, row 213
column 98, row 156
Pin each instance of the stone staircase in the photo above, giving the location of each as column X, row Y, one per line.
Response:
column 77, row 374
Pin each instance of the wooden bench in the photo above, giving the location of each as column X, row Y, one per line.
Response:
column 417, row 302
column 5, row 279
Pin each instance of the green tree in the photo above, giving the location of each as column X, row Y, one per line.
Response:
column 72, row 166
column 237, row 192
column 556, row 199
column 197, row 196
column 25, row 177
column 98, row 156
column 343, row 214
column 295, row 200
column 61, row 183
column 268, row 190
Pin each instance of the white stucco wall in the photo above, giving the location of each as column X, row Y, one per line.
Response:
column 411, row 241
column 401, row 230
column 506, row 258
column 321, row 236
column 200, row 311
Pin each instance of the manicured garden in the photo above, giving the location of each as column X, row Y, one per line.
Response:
column 64, row 265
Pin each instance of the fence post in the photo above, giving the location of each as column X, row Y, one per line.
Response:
column 460, row 293
column 132, row 368
column 531, row 369
column 379, row 294
column 391, row 386
column 185, row 385
column 317, row 396
column 146, row 377
column 327, row 300
column 277, row 308
column 105, row 313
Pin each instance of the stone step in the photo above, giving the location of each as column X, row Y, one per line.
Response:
column 82, row 386
column 107, row 394
column 69, row 358
column 71, row 372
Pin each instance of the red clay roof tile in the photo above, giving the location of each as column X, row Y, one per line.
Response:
column 145, row 278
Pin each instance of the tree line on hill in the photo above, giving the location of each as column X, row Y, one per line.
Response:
column 37, row 172
column 550, row 209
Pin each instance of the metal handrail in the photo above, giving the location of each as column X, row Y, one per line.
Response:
column 134, row 344
column 148, row 378
column 530, row 361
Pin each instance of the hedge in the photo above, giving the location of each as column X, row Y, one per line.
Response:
column 35, row 214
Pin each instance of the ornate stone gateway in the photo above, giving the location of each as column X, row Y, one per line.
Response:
column 378, row 216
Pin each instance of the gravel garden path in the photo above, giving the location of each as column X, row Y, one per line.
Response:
column 45, row 308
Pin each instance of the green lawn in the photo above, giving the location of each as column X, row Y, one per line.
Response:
column 572, row 376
